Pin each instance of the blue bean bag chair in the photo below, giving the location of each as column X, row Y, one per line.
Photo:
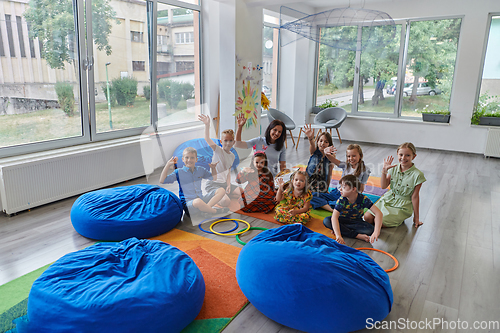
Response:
column 205, row 153
column 309, row 282
column 118, row 213
column 132, row 286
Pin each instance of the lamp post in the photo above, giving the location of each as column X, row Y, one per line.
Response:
column 109, row 100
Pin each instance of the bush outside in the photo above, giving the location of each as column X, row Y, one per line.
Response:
column 66, row 97
column 125, row 90
column 173, row 92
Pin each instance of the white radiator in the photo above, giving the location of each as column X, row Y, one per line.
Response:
column 37, row 180
column 493, row 143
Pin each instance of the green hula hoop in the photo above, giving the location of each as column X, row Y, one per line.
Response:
column 252, row 228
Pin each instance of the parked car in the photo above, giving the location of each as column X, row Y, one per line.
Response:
column 423, row 89
column 391, row 90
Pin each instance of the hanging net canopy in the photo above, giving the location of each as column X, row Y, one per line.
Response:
column 338, row 28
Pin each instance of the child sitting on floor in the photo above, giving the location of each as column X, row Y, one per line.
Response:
column 347, row 215
column 224, row 159
column 259, row 193
column 189, row 178
column 294, row 203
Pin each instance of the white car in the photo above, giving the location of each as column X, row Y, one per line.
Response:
column 423, row 89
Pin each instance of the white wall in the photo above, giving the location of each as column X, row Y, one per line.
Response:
column 459, row 135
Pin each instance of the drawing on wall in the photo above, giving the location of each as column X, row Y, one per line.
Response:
column 247, row 103
column 248, row 80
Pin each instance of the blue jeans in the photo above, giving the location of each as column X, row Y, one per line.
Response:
column 320, row 199
column 350, row 228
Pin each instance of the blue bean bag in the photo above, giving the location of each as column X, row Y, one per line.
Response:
column 119, row 213
column 309, row 282
column 132, row 286
column 204, row 152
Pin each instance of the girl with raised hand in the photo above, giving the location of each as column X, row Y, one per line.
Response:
column 320, row 166
column 403, row 199
column 258, row 195
column 294, row 204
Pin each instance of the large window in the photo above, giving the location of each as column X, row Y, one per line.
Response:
column 489, row 93
column 177, row 71
column 336, row 72
column 64, row 82
column 270, row 64
column 40, row 97
column 388, row 83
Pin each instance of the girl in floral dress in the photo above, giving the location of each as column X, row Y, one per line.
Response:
column 294, row 204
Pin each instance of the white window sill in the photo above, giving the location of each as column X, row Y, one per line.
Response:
column 398, row 120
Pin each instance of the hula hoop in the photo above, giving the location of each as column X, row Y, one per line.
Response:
column 252, row 228
column 223, row 232
column 396, row 262
column 233, row 234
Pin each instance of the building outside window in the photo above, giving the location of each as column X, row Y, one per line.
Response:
column 137, row 36
column 184, row 38
column 138, row 66
column 270, row 60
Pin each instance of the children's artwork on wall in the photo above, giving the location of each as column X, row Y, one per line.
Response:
column 248, row 80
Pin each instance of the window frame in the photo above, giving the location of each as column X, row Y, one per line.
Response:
column 403, row 53
column 483, row 56
column 86, row 82
column 276, row 44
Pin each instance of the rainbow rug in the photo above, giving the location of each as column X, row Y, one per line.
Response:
column 216, row 261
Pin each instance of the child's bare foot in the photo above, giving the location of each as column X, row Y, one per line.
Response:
column 363, row 237
column 416, row 225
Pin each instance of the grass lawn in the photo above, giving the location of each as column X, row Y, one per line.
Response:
column 50, row 124
column 325, row 90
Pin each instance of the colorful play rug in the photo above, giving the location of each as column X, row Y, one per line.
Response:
column 216, row 261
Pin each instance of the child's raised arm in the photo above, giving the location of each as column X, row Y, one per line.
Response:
column 415, row 200
column 279, row 193
column 330, row 154
column 206, row 120
column 166, row 169
column 336, row 227
column 310, row 136
column 385, row 179
column 241, row 120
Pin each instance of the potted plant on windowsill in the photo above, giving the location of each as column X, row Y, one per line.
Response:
column 437, row 114
column 486, row 111
column 327, row 104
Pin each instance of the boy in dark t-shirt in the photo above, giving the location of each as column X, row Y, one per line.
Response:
column 347, row 216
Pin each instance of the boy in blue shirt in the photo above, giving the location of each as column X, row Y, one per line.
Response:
column 347, row 216
column 189, row 178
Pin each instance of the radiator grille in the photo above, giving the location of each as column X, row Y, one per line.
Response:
column 36, row 182
column 493, row 143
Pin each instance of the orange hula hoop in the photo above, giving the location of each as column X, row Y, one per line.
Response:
column 396, row 262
